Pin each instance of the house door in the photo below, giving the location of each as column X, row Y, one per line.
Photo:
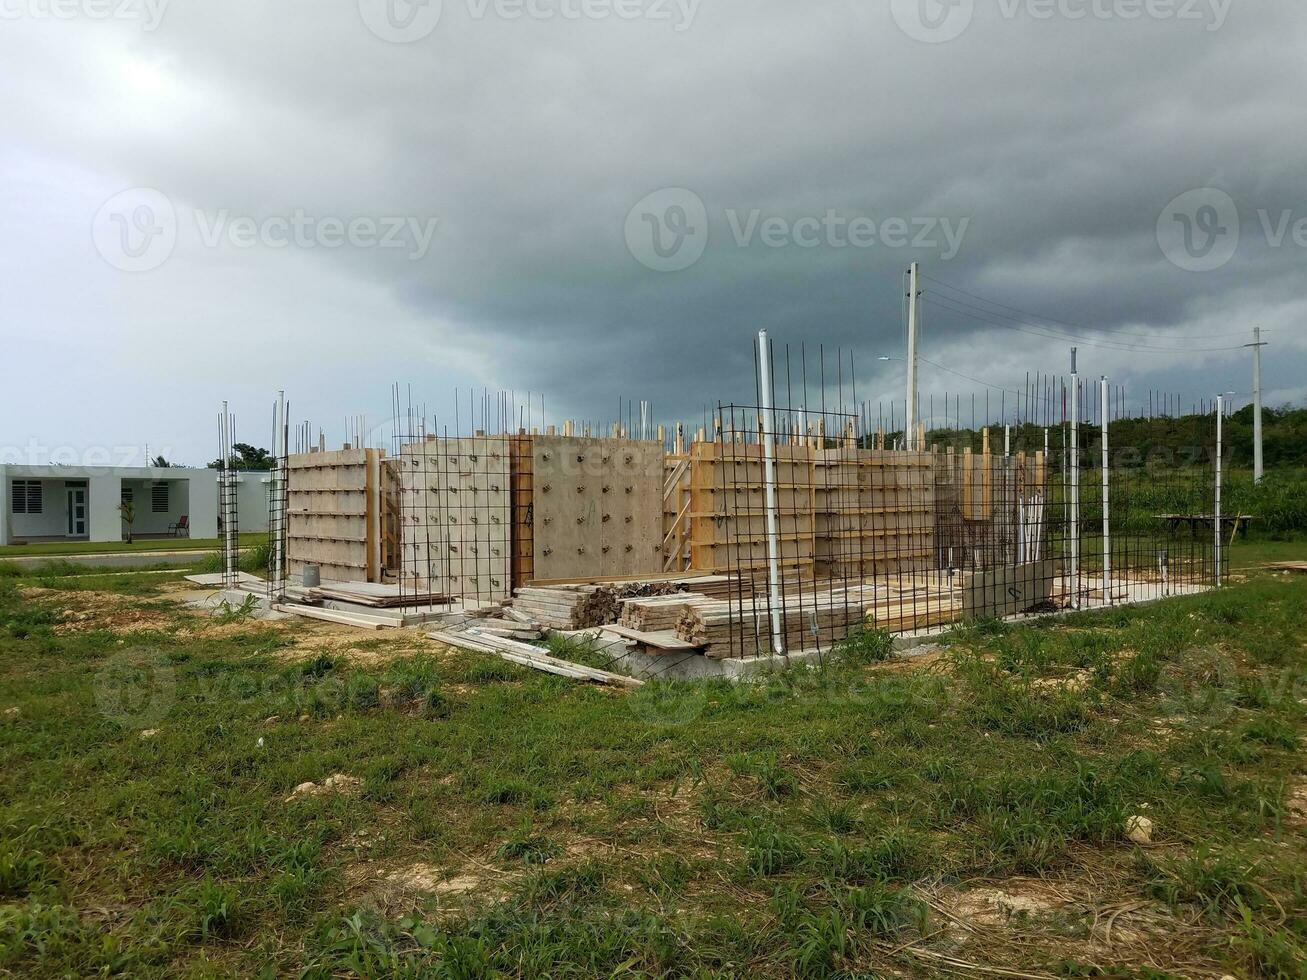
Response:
column 76, row 512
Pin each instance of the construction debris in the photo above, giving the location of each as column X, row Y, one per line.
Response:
column 578, row 607
column 526, row 655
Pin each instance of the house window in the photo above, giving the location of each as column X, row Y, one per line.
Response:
column 127, row 495
column 159, row 498
column 26, row 497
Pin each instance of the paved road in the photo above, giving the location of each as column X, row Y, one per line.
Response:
column 119, row 559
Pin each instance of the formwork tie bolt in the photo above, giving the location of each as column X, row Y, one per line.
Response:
column 607, row 518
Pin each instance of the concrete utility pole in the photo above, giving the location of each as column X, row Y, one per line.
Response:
column 914, row 322
column 1257, row 346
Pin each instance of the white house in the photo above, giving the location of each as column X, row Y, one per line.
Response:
column 44, row 503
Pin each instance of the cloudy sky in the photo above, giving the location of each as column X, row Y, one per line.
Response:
column 606, row 199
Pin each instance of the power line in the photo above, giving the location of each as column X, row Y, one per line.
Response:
column 1040, row 330
column 1051, row 323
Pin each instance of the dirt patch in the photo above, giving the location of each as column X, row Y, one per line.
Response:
column 392, row 890
column 998, row 906
column 86, row 612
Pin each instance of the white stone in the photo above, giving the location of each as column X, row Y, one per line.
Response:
column 1139, row 829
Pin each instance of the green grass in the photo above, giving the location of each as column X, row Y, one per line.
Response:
column 818, row 823
column 52, row 548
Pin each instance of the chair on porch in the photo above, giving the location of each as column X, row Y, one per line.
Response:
column 182, row 528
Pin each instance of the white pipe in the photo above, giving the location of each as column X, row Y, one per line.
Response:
column 279, row 488
column 769, row 479
column 1107, row 501
column 914, row 271
column 1220, row 413
column 1257, row 405
column 1075, row 490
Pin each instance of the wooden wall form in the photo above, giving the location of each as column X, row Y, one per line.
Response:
column 728, row 530
column 333, row 502
column 456, row 517
column 596, row 508
column 875, row 512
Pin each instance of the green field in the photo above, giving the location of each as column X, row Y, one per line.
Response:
column 52, row 548
column 964, row 814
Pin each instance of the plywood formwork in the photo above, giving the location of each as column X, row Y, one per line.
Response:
column 334, row 505
column 597, row 507
column 456, row 516
column 875, row 512
column 728, row 518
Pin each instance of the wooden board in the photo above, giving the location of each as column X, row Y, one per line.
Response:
column 333, row 503
column 597, row 507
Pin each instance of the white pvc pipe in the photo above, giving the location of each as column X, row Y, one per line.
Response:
column 1107, row 501
column 1220, row 414
column 1075, row 491
column 769, row 480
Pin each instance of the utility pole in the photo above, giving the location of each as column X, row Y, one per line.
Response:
column 1257, row 346
column 914, row 323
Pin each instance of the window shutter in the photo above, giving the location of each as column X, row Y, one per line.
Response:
column 159, row 498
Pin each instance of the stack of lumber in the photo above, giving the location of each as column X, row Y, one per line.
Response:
column 811, row 620
column 715, row 586
column 1289, row 566
column 656, row 613
column 578, row 607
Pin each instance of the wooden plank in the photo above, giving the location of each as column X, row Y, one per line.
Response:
column 533, row 657
column 333, row 616
column 663, row 639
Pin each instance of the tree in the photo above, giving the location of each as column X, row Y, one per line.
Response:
column 161, row 463
column 128, row 510
column 247, row 457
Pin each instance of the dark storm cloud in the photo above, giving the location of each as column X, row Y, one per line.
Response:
column 1047, row 148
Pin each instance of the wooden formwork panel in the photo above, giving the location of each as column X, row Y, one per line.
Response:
column 456, row 516
column 330, row 500
column 597, row 507
column 728, row 510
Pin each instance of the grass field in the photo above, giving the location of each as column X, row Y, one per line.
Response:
column 961, row 814
column 56, row 548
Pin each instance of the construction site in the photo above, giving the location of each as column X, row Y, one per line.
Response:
column 766, row 535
